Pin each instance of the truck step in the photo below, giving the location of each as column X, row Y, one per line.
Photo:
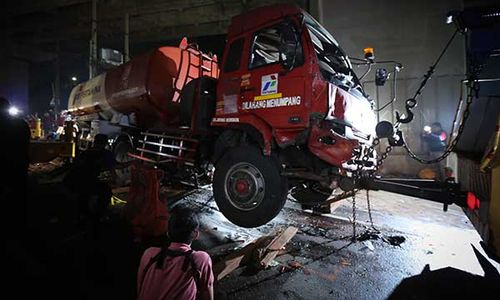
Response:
column 161, row 148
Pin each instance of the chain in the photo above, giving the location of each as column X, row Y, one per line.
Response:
column 368, row 153
column 353, row 217
column 473, row 88
column 362, row 157
column 359, row 165
column 356, row 176
column 370, row 210
column 383, row 155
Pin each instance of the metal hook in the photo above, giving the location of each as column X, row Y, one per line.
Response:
column 408, row 117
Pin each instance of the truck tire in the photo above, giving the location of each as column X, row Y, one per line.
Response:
column 120, row 151
column 248, row 187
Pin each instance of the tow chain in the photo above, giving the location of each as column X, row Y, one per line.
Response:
column 353, row 238
column 357, row 174
column 473, row 88
column 361, row 159
column 380, row 159
column 370, row 211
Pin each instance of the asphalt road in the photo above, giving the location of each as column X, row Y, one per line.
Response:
column 321, row 261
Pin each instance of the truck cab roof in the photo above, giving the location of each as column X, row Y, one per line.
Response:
column 259, row 16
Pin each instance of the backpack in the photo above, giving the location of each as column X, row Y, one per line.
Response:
column 165, row 252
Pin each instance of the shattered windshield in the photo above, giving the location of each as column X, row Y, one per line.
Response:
column 333, row 62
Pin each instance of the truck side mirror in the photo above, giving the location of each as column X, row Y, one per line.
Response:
column 381, row 76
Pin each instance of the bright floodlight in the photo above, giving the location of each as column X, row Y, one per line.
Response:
column 13, row 111
column 74, row 78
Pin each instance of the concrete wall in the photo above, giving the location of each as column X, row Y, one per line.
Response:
column 413, row 33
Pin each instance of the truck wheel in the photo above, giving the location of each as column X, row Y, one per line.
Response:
column 121, row 150
column 248, row 187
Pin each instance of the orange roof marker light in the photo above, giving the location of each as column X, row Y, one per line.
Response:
column 369, row 54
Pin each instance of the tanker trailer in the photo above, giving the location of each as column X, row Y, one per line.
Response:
column 141, row 95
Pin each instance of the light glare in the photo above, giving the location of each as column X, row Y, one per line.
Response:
column 13, row 111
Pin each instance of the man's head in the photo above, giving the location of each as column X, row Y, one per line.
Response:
column 183, row 225
column 4, row 106
column 100, row 141
column 436, row 127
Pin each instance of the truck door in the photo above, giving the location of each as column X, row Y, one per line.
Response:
column 273, row 89
column 230, row 78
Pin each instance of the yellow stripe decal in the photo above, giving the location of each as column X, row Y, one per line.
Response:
column 266, row 97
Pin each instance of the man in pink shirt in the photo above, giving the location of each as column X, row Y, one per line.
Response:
column 175, row 271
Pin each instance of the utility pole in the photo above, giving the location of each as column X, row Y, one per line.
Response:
column 57, row 84
column 126, row 50
column 93, row 41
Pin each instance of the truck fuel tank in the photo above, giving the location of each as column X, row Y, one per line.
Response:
column 147, row 87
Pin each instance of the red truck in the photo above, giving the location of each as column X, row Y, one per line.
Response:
column 285, row 112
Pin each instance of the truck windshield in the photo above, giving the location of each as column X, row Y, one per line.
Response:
column 333, row 62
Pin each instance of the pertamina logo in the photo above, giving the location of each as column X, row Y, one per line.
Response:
column 269, row 84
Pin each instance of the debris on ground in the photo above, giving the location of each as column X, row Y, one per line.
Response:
column 224, row 249
column 233, row 261
column 46, row 167
column 395, row 240
column 344, row 262
column 274, row 263
column 294, row 264
column 259, row 254
column 369, row 235
column 120, row 190
column 368, row 245
column 283, row 269
column 277, row 244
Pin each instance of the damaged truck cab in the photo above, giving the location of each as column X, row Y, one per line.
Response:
column 284, row 112
column 287, row 98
